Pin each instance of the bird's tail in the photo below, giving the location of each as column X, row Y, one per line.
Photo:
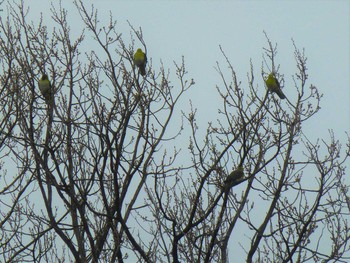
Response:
column 143, row 70
column 280, row 94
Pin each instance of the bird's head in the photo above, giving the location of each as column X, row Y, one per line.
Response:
column 139, row 50
column 240, row 168
column 271, row 75
column 44, row 77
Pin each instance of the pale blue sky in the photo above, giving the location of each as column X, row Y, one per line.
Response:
column 195, row 29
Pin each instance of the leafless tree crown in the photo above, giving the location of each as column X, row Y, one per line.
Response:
column 111, row 171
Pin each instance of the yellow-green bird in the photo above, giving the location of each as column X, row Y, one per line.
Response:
column 234, row 176
column 140, row 60
column 274, row 86
column 45, row 87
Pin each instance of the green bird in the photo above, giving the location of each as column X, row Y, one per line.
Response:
column 274, row 86
column 140, row 60
column 234, row 177
column 45, row 87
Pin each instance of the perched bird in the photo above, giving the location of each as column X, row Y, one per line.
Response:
column 274, row 86
column 234, row 177
column 140, row 60
column 45, row 87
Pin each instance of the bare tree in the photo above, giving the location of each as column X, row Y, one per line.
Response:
column 94, row 175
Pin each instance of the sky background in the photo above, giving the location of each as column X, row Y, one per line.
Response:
column 195, row 29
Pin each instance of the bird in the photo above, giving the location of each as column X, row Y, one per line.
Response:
column 45, row 87
column 140, row 60
column 234, row 177
column 274, row 86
